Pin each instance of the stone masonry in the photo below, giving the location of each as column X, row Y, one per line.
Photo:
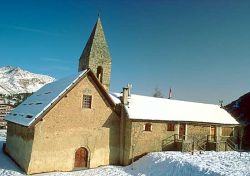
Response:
column 96, row 54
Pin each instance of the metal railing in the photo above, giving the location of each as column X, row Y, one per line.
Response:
column 199, row 143
column 202, row 143
column 169, row 140
column 229, row 142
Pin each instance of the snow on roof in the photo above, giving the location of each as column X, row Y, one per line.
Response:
column 115, row 97
column 152, row 108
column 29, row 110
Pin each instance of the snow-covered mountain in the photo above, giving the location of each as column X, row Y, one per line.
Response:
column 14, row 80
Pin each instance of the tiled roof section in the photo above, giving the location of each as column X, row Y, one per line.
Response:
column 35, row 105
column 151, row 108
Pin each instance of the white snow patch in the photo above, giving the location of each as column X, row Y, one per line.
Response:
column 158, row 164
column 3, row 135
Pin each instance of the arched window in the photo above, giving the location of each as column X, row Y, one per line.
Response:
column 148, row 127
column 99, row 73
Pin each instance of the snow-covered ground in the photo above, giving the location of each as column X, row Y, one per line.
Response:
column 158, row 163
column 2, row 135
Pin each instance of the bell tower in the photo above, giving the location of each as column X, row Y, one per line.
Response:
column 96, row 55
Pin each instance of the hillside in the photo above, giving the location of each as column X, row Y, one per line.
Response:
column 14, row 80
column 240, row 109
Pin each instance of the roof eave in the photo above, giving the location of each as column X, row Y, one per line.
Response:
column 55, row 101
column 40, row 115
column 180, row 121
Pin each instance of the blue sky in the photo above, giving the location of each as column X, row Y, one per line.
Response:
column 199, row 48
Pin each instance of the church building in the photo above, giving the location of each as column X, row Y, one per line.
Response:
column 77, row 123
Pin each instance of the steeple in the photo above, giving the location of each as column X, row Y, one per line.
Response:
column 96, row 55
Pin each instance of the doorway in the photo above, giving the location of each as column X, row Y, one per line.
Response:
column 81, row 158
column 213, row 133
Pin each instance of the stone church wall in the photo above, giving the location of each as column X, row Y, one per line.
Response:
column 141, row 142
column 19, row 144
column 68, row 126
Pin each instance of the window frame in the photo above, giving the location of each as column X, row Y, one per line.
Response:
column 147, row 127
column 87, row 101
column 223, row 135
column 170, row 126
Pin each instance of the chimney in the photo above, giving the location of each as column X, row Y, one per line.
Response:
column 129, row 89
column 125, row 93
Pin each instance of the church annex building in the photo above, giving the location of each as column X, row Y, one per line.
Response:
column 76, row 123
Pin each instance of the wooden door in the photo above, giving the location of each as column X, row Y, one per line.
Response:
column 81, row 157
column 182, row 131
column 213, row 133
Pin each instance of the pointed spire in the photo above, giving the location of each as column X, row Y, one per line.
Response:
column 96, row 44
column 96, row 53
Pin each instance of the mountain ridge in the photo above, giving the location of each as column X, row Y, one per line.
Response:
column 14, row 80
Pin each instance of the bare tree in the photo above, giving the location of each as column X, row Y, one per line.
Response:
column 158, row 93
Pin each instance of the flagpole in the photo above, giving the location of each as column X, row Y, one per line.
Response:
column 170, row 93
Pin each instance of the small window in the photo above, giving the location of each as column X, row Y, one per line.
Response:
column 227, row 131
column 87, row 99
column 148, row 127
column 170, row 127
